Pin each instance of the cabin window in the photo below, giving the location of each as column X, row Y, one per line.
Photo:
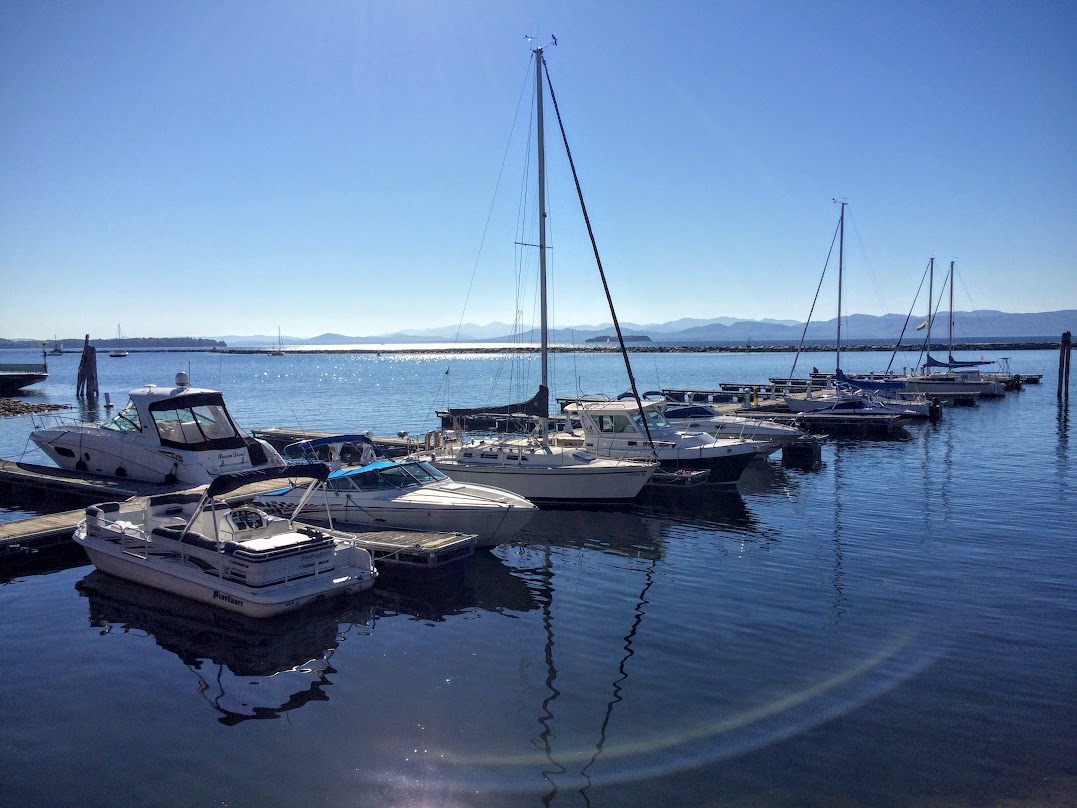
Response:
column 126, row 420
column 613, row 423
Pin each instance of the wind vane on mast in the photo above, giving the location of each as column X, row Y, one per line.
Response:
column 532, row 39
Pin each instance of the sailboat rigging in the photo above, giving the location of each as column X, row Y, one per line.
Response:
column 532, row 466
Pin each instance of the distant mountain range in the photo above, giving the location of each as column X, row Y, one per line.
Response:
column 969, row 326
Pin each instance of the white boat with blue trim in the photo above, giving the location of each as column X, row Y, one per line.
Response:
column 380, row 493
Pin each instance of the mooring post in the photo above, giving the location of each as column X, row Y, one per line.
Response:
column 1064, row 365
column 87, row 377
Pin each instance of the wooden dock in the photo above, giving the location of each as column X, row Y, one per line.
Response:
column 28, row 482
column 27, row 536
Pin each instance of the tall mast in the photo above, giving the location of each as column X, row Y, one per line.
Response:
column 544, row 327
column 950, row 343
column 841, row 263
column 930, row 314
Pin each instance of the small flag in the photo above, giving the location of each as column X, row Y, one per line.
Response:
column 922, row 326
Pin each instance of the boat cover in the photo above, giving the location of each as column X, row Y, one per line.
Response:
column 932, row 362
column 537, row 406
column 227, row 483
column 871, row 385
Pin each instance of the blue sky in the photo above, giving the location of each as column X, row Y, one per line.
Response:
column 205, row 168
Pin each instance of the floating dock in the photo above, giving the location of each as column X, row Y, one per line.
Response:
column 31, row 484
column 28, row 536
column 54, row 486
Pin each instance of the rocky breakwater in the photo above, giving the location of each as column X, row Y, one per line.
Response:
column 12, row 406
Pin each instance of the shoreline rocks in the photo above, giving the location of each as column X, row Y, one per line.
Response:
column 12, row 406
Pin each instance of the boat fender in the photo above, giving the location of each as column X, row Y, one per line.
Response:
column 432, row 439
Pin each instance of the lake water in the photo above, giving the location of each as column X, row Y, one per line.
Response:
column 897, row 626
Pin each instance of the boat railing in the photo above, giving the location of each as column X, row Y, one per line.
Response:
column 133, row 540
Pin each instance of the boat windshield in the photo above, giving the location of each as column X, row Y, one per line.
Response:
column 126, row 420
column 395, row 475
column 205, row 423
column 656, row 420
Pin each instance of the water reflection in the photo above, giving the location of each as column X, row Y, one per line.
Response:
column 481, row 582
column 839, row 552
column 554, row 768
column 242, row 668
column 1062, row 452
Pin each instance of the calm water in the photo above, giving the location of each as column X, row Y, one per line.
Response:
column 895, row 627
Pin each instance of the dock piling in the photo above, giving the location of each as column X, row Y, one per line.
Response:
column 87, row 378
column 1064, row 366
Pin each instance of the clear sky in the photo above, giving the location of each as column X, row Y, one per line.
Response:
column 206, row 168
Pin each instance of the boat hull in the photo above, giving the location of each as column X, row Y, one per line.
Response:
column 88, row 447
column 555, row 483
column 168, row 576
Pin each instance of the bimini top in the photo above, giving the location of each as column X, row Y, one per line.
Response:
column 226, row 483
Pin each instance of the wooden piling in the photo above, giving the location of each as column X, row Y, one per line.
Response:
column 87, row 378
column 1064, row 366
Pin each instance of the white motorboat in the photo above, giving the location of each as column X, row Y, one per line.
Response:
column 239, row 558
column 411, row 494
column 697, row 417
column 616, row 429
column 181, row 434
column 534, row 467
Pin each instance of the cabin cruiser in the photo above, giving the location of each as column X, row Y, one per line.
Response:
column 698, row 417
column 622, row 429
column 376, row 492
column 237, row 557
column 172, row 435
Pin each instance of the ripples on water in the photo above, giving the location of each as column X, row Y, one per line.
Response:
column 896, row 626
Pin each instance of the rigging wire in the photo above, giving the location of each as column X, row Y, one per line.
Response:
column 598, row 260
column 871, row 275
column 912, row 308
column 815, row 300
column 485, row 231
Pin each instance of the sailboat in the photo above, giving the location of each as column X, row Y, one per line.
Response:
column 279, row 350
column 118, row 353
column 955, row 378
column 841, row 398
column 532, row 466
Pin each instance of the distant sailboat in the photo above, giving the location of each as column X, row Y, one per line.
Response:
column 118, row 353
column 279, row 350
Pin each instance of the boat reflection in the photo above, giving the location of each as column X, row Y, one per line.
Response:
column 483, row 581
column 244, row 668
